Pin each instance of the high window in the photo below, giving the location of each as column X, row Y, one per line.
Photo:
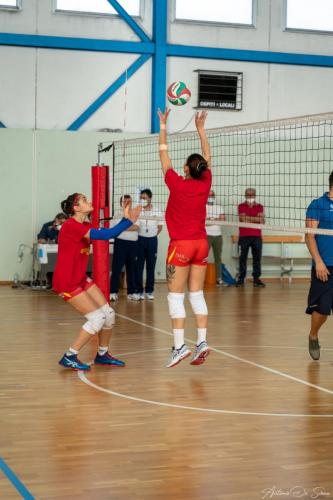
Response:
column 96, row 6
column 313, row 15
column 216, row 11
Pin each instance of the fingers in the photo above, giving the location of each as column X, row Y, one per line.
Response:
column 322, row 274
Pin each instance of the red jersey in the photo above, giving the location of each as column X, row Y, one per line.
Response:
column 73, row 255
column 251, row 211
column 186, row 210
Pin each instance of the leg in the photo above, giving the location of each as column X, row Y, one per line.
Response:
column 118, row 262
column 199, row 307
column 177, row 277
column 256, row 247
column 317, row 320
column 140, row 264
column 244, row 245
column 131, row 258
column 217, row 250
column 151, row 263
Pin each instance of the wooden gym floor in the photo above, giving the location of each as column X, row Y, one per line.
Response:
column 255, row 421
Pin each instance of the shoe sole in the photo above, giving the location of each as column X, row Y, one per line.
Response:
column 181, row 359
column 75, row 369
column 109, row 364
column 201, row 358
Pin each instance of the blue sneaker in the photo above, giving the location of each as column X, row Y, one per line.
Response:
column 107, row 359
column 73, row 362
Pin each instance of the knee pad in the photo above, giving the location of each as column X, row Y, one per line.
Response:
column 95, row 322
column 110, row 317
column 198, row 303
column 176, row 305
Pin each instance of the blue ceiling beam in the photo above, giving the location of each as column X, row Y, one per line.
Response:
column 109, row 92
column 129, row 20
column 69, row 43
column 160, row 16
column 258, row 56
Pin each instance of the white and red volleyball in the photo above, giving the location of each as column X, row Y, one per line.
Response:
column 178, row 94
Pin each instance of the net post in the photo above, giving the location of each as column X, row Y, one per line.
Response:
column 101, row 203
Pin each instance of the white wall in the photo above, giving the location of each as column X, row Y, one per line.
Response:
column 44, row 88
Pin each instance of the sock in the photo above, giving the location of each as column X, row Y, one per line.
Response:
column 178, row 335
column 71, row 352
column 202, row 332
column 102, row 350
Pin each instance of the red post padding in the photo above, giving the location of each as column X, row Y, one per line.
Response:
column 101, row 204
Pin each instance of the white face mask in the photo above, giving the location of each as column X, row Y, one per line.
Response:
column 144, row 203
column 250, row 201
column 58, row 227
column 211, row 200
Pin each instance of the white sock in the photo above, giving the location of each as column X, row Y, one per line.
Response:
column 71, row 351
column 178, row 335
column 202, row 333
column 102, row 350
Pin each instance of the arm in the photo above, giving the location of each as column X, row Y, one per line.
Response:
column 211, row 219
column 159, row 229
column 258, row 219
column 105, row 233
column 321, row 270
column 163, row 146
column 200, row 119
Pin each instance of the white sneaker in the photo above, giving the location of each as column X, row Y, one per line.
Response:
column 177, row 355
column 201, row 352
column 150, row 296
column 133, row 296
column 113, row 297
column 141, row 296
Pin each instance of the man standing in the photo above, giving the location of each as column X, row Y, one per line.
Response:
column 250, row 211
column 320, row 300
column 147, row 244
column 214, row 233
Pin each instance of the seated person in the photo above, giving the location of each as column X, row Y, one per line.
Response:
column 50, row 230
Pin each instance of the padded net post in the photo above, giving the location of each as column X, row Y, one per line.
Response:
column 101, row 204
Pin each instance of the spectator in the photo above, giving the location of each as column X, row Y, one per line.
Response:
column 214, row 233
column 250, row 211
column 124, row 254
column 147, row 245
column 50, row 230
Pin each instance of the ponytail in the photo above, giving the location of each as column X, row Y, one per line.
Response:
column 196, row 164
column 67, row 205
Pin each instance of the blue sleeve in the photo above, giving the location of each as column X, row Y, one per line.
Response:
column 107, row 233
column 313, row 211
column 43, row 234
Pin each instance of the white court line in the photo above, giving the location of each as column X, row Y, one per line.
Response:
column 237, row 358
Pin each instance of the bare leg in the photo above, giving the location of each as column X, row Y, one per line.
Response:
column 84, row 304
column 177, row 277
column 317, row 320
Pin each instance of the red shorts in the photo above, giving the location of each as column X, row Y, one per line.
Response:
column 187, row 252
column 85, row 284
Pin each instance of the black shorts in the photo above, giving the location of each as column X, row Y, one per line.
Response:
column 320, row 297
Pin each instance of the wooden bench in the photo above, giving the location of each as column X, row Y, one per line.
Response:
column 286, row 254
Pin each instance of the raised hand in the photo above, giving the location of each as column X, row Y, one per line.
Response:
column 163, row 116
column 200, row 119
column 131, row 213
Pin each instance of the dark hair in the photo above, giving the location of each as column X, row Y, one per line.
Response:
column 67, row 205
column 147, row 192
column 61, row 215
column 196, row 164
column 331, row 179
column 124, row 197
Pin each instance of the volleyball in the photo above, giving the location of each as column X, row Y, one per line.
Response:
column 178, row 94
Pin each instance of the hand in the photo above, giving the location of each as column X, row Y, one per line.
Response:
column 163, row 116
column 200, row 119
column 131, row 214
column 322, row 272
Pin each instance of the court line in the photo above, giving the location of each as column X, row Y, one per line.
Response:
column 86, row 381
column 15, row 481
column 237, row 358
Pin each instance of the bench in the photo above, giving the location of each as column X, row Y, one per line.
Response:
column 286, row 249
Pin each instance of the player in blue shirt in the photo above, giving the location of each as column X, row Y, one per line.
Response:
column 320, row 300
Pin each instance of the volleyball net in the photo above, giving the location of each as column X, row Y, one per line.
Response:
column 287, row 162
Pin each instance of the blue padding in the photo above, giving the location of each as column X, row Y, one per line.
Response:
column 107, row 233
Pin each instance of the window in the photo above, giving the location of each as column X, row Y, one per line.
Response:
column 314, row 15
column 220, row 90
column 216, row 11
column 96, row 6
column 10, row 4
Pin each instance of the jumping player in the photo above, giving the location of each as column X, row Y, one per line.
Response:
column 188, row 248
column 75, row 287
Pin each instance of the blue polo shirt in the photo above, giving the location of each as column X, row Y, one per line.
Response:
column 321, row 209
